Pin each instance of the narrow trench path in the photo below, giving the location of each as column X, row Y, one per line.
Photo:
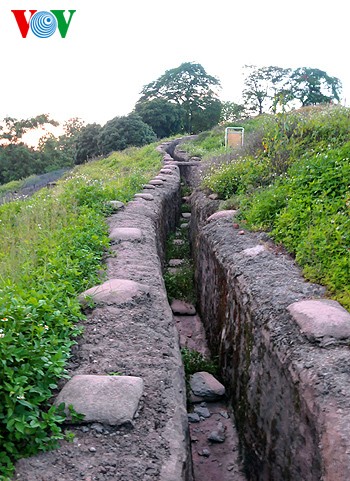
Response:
column 214, row 439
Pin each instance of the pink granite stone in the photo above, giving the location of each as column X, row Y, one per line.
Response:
column 322, row 320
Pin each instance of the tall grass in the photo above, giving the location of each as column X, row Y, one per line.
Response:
column 51, row 248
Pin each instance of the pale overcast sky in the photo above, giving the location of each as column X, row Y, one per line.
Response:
column 114, row 47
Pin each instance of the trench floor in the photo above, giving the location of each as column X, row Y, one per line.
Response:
column 212, row 460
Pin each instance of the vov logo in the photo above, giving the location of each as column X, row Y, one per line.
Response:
column 43, row 24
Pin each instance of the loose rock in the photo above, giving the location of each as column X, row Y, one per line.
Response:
column 175, row 262
column 203, row 412
column 218, row 436
column 205, row 387
column 193, row 418
column 182, row 308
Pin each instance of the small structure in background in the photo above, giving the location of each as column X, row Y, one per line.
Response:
column 234, row 137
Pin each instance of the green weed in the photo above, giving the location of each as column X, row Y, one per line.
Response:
column 194, row 361
column 52, row 247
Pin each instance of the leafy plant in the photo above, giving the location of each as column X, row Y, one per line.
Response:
column 296, row 185
column 51, row 249
column 194, row 361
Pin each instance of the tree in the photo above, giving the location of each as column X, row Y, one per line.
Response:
column 164, row 117
column 312, row 86
column 265, row 87
column 87, row 145
column 13, row 129
column 232, row 112
column 206, row 117
column 122, row 132
column 18, row 161
column 67, row 142
column 188, row 86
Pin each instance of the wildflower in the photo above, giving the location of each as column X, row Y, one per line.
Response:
column 20, row 397
column 46, row 327
column 4, row 319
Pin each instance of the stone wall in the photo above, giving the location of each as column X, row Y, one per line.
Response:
column 286, row 363
column 129, row 332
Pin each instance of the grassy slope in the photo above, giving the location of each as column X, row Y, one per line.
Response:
column 51, row 248
column 293, row 180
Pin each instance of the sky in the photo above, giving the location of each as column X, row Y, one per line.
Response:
column 114, row 47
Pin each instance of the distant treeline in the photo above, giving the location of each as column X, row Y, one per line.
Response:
column 182, row 100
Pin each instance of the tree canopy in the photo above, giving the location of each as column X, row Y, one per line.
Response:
column 266, row 87
column 12, row 130
column 122, row 132
column 164, row 117
column 87, row 143
column 189, row 86
column 314, row 86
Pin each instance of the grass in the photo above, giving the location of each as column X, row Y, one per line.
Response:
column 52, row 247
column 180, row 283
column 293, row 179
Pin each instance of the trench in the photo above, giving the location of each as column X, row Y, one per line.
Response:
column 214, row 440
column 282, row 347
column 286, row 383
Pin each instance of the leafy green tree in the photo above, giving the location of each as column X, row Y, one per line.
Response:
column 164, row 117
column 87, row 143
column 265, row 87
column 312, row 86
column 122, row 132
column 232, row 112
column 188, row 85
column 12, row 130
column 206, row 117
column 67, row 143
column 18, row 161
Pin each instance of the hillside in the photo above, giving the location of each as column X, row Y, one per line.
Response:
column 52, row 247
column 291, row 179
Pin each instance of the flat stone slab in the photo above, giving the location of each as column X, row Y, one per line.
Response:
column 222, row 214
column 144, row 196
column 110, row 400
column 126, row 234
column 166, row 171
column 182, row 308
column 161, row 177
column 322, row 321
column 149, row 186
column 186, row 215
column 184, row 226
column 254, row 251
column 205, row 387
column 113, row 291
column 156, row 182
column 178, row 242
column 116, row 204
column 175, row 262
